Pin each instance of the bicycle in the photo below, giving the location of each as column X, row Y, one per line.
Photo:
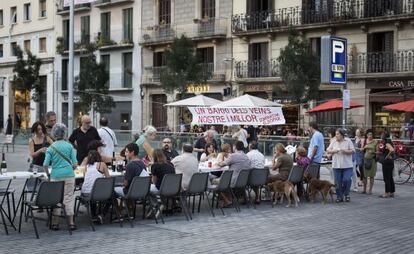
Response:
column 404, row 169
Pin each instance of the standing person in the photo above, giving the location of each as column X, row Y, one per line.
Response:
column 386, row 159
column 241, row 135
column 108, row 137
column 144, row 144
column 18, row 120
column 61, row 156
column 201, row 143
column 9, row 126
column 186, row 164
column 252, row 133
column 341, row 150
column 50, row 122
column 359, row 156
column 370, row 150
column 316, row 146
column 135, row 167
column 38, row 144
column 82, row 136
column 167, row 149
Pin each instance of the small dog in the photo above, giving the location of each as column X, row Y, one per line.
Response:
column 315, row 186
column 283, row 188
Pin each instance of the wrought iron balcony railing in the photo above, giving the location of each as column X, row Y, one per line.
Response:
column 257, row 69
column 379, row 62
column 332, row 12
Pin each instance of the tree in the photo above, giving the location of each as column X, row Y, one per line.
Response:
column 92, row 83
column 300, row 69
column 26, row 77
column 182, row 66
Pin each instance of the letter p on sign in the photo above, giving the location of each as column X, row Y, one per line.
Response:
column 338, row 47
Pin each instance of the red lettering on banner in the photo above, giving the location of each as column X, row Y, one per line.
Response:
column 218, row 110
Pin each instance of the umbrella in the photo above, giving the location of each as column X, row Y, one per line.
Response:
column 196, row 101
column 407, row 106
column 247, row 101
column 332, row 105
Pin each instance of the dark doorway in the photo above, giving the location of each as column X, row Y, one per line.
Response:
column 159, row 112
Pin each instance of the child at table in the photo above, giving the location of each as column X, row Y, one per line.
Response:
column 301, row 157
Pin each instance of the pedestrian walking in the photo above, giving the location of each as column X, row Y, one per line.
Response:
column 341, row 150
column 82, row 136
column 108, row 137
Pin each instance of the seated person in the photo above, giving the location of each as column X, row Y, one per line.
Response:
column 209, row 153
column 159, row 168
column 169, row 152
column 302, row 158
column 135, row 167
column 186, row 164
column 282, row 162
column 95, row 169
column 97, row 146
column 225, row 153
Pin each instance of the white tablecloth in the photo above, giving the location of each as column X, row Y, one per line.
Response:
column 20, row 175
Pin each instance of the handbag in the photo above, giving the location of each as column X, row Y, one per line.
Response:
column 63, row 156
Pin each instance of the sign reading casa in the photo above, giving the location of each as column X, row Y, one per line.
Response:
column 66, row 3
column 238, row 116
column 333, row 60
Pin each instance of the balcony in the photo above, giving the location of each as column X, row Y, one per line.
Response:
column 381, row 62
column 338, row 12
column 152, row 74
column 200, row 30
column 78, row 8
column 110, row 3
column 257, row 69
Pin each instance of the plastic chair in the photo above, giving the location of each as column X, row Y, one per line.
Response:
column 222, row 187
column 138, row 191
column 257, row 179
column 198, row 187
column 240, row 185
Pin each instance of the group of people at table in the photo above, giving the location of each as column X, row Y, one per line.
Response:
column 49, row 148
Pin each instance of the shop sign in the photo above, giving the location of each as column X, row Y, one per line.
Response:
column 258, row 88
column 398, row 83
column 198, row 88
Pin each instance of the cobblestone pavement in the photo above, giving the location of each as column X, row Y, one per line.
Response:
column 367, row 224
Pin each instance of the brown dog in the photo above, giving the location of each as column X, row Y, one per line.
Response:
column 315, row 186
column 283, row 188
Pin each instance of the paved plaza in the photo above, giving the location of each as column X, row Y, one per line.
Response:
column 366, row 225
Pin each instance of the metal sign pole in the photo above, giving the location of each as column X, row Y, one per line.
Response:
column 71, row 67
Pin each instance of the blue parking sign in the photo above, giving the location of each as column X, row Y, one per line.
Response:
column 333, row 60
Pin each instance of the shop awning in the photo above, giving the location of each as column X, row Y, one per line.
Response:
column 407, row 106
column 332, row 105
column 196, row 101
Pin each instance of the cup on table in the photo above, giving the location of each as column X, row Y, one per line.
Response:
column 210, row 164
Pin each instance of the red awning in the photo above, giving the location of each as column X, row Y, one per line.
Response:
column 332, row 105
column 402, row 106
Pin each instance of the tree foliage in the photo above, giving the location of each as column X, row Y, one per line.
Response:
column 92, row 83
column 300, row 69
column 26, row 74
column 182, row 66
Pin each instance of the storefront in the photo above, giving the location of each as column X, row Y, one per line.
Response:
column 388, row 91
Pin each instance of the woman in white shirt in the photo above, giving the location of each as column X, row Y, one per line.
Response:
column 209, row 153
column 341, row 150
column 241, row 135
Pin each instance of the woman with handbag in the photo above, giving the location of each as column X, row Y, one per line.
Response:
column 370, row 163
column 62, row 156
column 386, row 159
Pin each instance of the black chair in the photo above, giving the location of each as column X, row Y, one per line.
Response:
column 296, row 178
column 49, row 197
column 222, row 188
column 240, row 186
column 119, row 181
column 138, row 191
column 314, row 171
column 11, row 209
column 102, row 192
column 257, row 179
column 197, row 187
column 170, row 190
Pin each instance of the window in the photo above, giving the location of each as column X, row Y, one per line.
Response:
column 259, row 5
column 164, row 16
column 1, row 18
column 42, row 45
column 13, row 15
column 158, row 59
column 85, row 29
column 315, row 44
column 27, row 45
column 205, row 57
column 27, row 12
column 13, row 48
column 106, row 25
column 127, row 25
column 106, row 60
column 1, row 50
column 258, row 65
column 42, row 8
column 380, row 55
column 208, row 8
column 65, row 66
column 127, row 69
column 65, row 33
